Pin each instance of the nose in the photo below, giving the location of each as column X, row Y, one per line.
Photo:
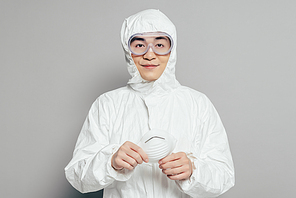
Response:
column 149, row 55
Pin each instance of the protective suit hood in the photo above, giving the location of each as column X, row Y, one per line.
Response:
column 150, row 21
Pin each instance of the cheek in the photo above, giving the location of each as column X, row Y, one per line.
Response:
column 136, row 60
column 165, row 59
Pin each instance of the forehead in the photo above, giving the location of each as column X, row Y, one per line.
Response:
column 149, row 38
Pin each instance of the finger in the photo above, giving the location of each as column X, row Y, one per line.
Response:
column 171, row 164
column 130, row 160
column 127, row 165
column 175, row 162
column 128, row 149
column 175, row 171
column 181, row 176
column 120, row 163
column 134, row 155
column 140, row 151
column 171, row 157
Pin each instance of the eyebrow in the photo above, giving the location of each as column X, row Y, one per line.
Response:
column 161, row 37
column 142, row 39
column 137, row 39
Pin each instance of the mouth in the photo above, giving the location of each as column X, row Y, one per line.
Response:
column 150, row 66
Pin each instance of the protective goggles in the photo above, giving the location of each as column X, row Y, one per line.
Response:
column 160, row 43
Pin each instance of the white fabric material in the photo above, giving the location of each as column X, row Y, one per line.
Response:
column 126, row 114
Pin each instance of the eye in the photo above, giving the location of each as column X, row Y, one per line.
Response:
column 140, row 46
column 159, row 45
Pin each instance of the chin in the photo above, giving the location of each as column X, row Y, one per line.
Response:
column 150, row 79
column 150, row 76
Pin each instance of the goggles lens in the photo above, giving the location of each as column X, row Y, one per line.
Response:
column 160, row 43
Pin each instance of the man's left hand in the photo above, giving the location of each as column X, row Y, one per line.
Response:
column 176, row 166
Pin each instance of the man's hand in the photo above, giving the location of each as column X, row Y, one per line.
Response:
column 176, row 166
column 128, row 156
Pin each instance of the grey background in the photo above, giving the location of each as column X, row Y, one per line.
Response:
column 56, row 57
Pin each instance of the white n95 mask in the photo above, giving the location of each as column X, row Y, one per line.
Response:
column 157, row 144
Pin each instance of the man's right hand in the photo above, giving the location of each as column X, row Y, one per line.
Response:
column 128, row 156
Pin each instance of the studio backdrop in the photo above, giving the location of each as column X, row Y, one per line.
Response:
column 57, row 57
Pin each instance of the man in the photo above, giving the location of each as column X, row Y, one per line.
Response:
column 107, row 154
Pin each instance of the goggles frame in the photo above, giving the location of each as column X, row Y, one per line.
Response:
column 149, row 45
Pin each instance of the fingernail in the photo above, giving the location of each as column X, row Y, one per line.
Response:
column 160, row 162
column 146, row 160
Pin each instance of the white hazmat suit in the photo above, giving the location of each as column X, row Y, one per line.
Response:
column 125, row 114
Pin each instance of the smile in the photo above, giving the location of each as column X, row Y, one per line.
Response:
column 149, row 66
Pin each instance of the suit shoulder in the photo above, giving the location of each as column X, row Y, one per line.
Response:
column 114, row 95
column 192, row 92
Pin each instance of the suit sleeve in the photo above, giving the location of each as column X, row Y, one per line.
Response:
column 214, row 171
column 90, row 168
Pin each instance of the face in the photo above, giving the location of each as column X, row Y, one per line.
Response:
column 150, row 64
